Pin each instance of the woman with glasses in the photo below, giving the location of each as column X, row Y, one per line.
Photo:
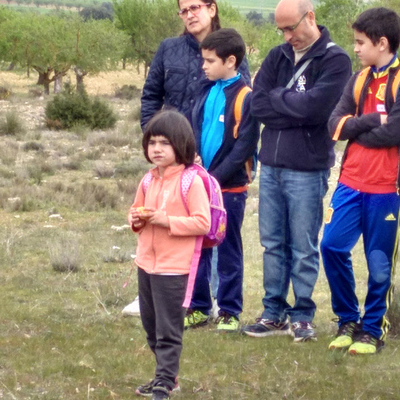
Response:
column 175, row 73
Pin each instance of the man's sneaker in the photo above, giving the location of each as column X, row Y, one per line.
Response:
column 366, row 344
column 146, row 390
column 266, row 327
column 160, row 393
column 132, row 309
column 303, row 331
column 195, row 319
column 227, row 323
column 345, row 336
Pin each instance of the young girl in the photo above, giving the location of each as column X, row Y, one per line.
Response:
column 167, row 235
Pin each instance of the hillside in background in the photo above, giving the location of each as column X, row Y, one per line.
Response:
column 262, row 6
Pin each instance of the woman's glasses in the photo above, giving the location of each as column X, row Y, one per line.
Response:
column 194, row 9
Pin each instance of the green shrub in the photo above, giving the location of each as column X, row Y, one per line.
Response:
column 12, row 125
column 128, row 92
column 72, row 108
column 33, row 146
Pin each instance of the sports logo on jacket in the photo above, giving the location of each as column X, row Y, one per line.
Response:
column 301, row 84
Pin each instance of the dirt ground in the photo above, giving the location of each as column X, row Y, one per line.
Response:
column 105, row 83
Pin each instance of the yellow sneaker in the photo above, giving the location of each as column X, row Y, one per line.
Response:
column 227, row 323
column 366, row 344
column 195, row 319
column 345, row 336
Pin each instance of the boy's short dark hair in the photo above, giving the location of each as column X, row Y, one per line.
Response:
column 226, row 42
column 176, row 128
column 380, row 22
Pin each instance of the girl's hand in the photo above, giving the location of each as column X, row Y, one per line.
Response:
column 137, row 217
column 158, row 217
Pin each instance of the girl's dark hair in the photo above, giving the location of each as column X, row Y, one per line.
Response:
column 176, row 128
column 215, row 24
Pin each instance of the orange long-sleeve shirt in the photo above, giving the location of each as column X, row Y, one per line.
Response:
column 161, row 250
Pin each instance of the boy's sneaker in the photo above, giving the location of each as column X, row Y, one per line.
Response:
column 266, row 327
column 195, row 319
column 303, row 332
column 345, row 336
column 132, row 309
column 366, row 344
column 226, row 322
column 146, row 390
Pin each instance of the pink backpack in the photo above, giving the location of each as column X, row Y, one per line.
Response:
column 218, row 213
column 217, row 231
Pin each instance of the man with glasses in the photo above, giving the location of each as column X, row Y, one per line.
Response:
column 296, row 89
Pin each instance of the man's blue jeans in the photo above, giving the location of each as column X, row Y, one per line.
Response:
column 290, row 217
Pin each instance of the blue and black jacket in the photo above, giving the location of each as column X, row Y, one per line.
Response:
column 296, row 134
column 228, row 164
column 175, row 77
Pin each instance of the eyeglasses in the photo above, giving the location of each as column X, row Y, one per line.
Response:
column 289, row 29
column 194, row 9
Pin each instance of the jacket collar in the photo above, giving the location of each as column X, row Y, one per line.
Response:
column 317, row 49
column 192, row 41
column 169, row 172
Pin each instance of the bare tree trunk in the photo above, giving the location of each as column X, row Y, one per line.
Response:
column 79, row 74
column 40, row 80
column 58, row 83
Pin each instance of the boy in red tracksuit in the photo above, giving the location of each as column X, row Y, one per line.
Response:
column 366, row 200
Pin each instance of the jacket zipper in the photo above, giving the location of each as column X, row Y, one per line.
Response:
column 153, row 226
column 276, row 149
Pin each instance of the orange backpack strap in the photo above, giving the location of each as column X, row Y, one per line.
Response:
column 358, row 86
column 395, row 84
column 238, row 108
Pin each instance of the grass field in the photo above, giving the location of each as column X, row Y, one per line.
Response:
column 262, row 6
column 65, row 253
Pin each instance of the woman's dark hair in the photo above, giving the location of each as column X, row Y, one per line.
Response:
column 176, row 128
column 215, row 24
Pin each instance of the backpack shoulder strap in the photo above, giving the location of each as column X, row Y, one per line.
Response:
column 238, row 107
column 395, row 84
column 187, row 178
column 146, row 182
column 358, row 86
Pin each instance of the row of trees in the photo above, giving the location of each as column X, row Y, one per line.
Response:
column 77, row 4
column 52, row 44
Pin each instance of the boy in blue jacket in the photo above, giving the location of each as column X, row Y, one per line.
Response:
column 224, row 156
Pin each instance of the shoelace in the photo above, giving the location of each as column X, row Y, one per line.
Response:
column 302, row 325
column 347, row 329
column 367, row 339
column 225, row 317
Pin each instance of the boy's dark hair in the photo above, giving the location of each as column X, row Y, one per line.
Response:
column 380, row 22
column 226, row 42
column 176, row 128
